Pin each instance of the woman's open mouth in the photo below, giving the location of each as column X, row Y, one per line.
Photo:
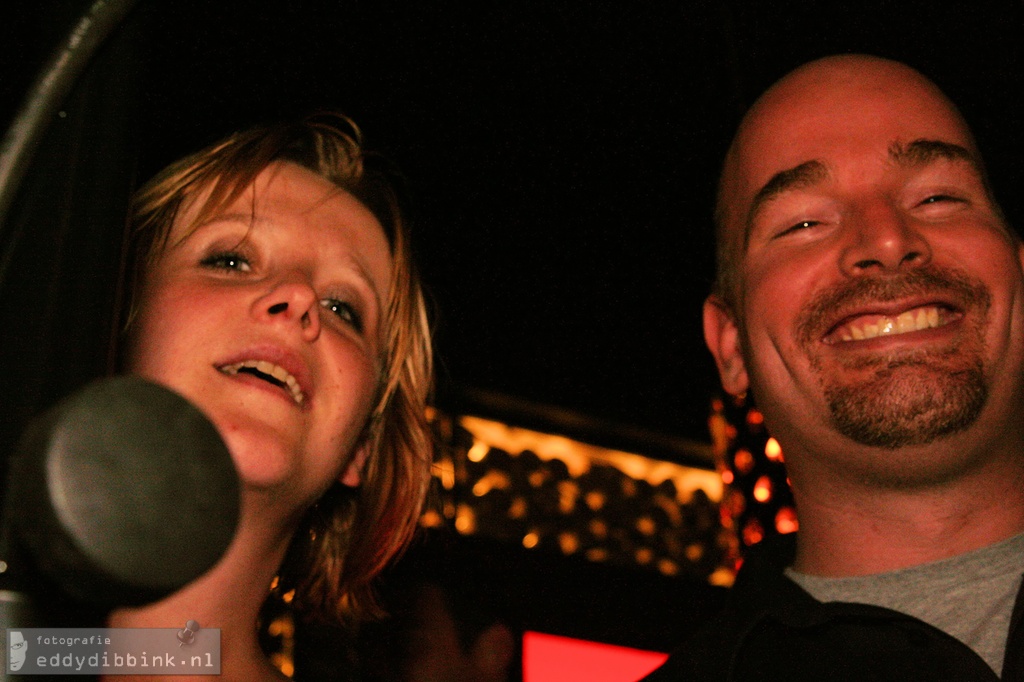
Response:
column 269, row 372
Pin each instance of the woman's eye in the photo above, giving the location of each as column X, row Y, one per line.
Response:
column 344, row 311
column 227, row 261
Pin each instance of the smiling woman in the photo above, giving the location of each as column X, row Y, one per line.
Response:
column 272, row 286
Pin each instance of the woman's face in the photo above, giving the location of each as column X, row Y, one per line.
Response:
column 269, row 318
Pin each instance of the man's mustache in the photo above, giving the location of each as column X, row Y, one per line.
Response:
column 950, row 285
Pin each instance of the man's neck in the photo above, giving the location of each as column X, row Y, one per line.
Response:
column 851, row 528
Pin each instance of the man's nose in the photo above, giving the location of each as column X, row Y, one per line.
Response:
column 290, row 301
column 882, row 238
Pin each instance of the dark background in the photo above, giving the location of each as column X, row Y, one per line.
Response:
column 562, row 158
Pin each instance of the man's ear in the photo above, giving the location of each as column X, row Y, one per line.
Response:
column 353, row 474
column 722, row 336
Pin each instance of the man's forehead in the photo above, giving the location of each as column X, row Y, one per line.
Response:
column 828, row 105
column 916, row 153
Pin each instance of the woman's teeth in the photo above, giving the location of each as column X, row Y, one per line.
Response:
column 269, row 372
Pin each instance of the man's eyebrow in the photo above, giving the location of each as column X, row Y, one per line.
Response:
column 804, row 175
column 922, row 152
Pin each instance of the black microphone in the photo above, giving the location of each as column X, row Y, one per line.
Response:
column 120, row 495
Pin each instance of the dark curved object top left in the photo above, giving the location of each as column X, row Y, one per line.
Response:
column 122, row 493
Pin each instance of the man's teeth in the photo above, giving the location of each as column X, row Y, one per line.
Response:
column 871, row 326
column 279, row 374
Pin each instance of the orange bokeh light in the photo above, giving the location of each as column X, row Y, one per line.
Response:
column 753, row 532
column 744, row 461
column 763, row 489
column 786, row 521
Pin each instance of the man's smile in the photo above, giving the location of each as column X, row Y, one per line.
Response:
column 870, row 326
column 914, row 302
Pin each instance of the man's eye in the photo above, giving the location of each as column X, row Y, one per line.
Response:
column 939, row 198
column 940, row 206
column 344, row 311
column 802, row 225
column 227, row 261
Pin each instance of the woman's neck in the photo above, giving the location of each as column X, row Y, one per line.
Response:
column 228, row 597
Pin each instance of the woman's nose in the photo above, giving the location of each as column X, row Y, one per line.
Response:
column 291, row 301
column 883, row 239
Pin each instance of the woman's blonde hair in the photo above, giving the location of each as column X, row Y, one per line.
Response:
column 350, row 534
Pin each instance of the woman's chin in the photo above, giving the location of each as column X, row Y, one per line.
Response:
column 263, row 467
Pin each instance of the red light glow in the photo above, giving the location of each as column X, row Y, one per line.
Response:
column 551, row 658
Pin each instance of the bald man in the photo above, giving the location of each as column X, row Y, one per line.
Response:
column 871, row 297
